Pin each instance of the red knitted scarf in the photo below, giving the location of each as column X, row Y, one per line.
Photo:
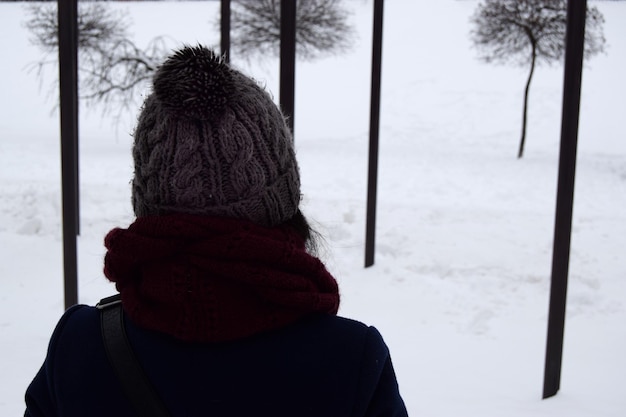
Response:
column 206, row 279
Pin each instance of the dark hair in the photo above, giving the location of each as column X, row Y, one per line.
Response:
column 301, row 225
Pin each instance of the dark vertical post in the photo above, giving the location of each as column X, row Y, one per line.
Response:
column 288, row 59
column 68, row 87
column 225, row 30
column 74, row 46
column 575, row 39
column 372, row 172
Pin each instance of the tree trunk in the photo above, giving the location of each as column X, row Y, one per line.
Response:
column 525, row 113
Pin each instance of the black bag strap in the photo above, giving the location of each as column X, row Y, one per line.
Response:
column 134, row 381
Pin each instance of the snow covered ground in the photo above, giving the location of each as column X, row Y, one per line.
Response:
column 460, row 287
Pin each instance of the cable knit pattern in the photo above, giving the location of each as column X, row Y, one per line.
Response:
column 205, row 279
column 210, row 141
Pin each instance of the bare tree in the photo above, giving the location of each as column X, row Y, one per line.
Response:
column 112, row 68
column 528, row 32
column 321, row 27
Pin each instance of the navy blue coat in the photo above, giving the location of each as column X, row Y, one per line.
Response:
column 320, row 366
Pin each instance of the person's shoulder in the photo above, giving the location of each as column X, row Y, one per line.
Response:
column 77, row 316
column 346, row 325
column 372, row 338
column 73, row 316
column 347, row 331
column 78, row 322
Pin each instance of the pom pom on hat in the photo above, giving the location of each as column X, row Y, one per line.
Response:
column 210, row 141
column 195, row 82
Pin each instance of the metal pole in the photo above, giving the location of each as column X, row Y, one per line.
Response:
column 372, row 176
column 574, row 48
column 288, row 59
column 74, row 46
column 68, row 86
column 225, row 30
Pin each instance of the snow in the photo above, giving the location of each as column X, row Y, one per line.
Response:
column 461, row 282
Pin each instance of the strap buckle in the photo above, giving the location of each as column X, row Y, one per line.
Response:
column 109, row 302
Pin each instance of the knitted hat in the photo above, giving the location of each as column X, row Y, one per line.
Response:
column 210, row 141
